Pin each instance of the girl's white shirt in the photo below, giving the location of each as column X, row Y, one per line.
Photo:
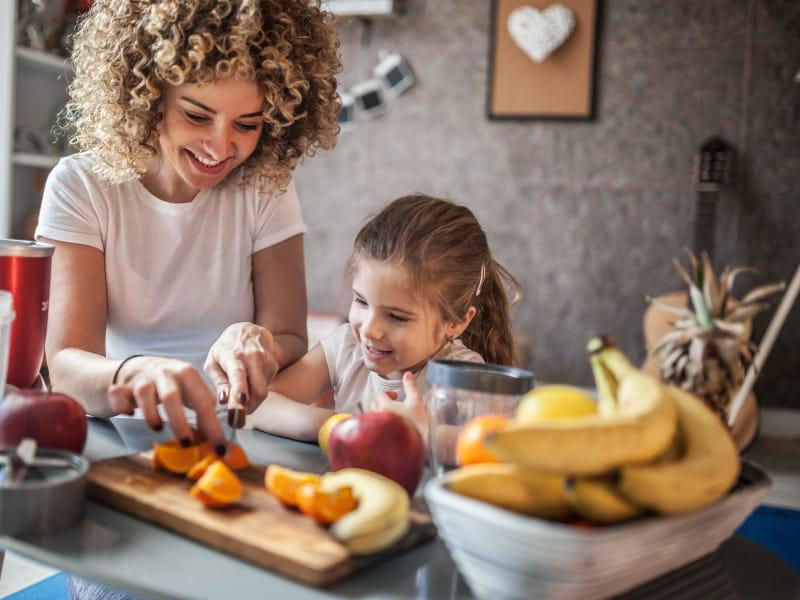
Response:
column 176, row 274
column 355, row 385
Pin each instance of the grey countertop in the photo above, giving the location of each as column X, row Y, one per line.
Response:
column 131, row 555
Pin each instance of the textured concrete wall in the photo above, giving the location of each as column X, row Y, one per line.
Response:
column 588, row 215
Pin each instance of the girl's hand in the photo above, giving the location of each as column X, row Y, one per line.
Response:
column 147, row 381
column 412, row 407
column 242, row 363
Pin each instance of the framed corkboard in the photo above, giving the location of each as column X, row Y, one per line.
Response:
column 562, row 85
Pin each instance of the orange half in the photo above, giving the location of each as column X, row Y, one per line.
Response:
column 284, row 483
column 219, row 486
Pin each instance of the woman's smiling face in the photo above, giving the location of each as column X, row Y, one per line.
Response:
column 206, row 132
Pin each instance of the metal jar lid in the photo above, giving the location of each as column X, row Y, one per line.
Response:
column 25, row 248
column 494, row 379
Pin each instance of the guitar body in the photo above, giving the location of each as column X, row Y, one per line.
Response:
column 713, row 169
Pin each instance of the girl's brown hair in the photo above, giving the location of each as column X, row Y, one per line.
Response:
column 126, row 51
column 444, row 249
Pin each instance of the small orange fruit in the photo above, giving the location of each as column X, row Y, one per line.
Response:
column 284, row 483
column 235, row 458
column 198, row 468
column 471, row 442
column 325, row 507
column 219, row 486
column 173, row 457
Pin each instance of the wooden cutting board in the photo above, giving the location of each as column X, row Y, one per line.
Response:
column 258, row 529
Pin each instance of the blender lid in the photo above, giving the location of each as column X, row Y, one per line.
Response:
column 483, row 377
column 9, row 247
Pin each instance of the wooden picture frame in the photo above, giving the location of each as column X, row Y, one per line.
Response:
column 562, row 86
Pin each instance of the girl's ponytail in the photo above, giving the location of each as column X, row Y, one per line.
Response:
column 489, row 334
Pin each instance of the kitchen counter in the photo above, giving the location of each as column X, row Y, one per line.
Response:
column 147, row 561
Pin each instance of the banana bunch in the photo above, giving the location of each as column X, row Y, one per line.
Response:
column 649, row 447
column 382, row 516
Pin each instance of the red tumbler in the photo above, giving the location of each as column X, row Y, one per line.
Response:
column 25, row 272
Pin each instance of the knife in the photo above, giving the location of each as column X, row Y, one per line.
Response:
column 236, row 417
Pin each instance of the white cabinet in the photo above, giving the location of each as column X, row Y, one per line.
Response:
column 33, row 89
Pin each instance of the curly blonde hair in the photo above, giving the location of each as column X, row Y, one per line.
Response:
column 126, row 51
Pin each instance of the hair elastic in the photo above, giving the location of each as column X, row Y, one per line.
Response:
column 480, row 283
column 122, row 364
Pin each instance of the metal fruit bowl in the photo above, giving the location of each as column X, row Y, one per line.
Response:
column 49, row 499
column 503, row 554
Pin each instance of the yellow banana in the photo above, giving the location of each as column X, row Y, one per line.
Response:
column 598, row 500
column 639, row 430
column 379, row 540
column 707, row 469
column 382, row 516
column 512, row 487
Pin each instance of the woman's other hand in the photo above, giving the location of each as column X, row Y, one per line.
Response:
column 243, row 362
column 147, row 381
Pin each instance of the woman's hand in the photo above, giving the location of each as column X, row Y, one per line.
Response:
column 147, row 381
column 412, row 407
column 242, row 364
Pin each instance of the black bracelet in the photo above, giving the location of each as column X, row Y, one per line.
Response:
column 122, row 364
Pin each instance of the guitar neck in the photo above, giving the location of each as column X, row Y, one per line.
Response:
column 705, row 222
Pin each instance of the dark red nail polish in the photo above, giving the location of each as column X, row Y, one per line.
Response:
column 158, row 427
column 186, row 442
column 220, row 449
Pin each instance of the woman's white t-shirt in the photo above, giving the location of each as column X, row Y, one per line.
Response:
column 354, row 385
column 176, row 274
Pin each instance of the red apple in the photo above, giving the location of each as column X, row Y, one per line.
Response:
column 384, row 442
column 53, row 419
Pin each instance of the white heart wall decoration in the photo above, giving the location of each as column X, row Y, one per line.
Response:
column 539, row 32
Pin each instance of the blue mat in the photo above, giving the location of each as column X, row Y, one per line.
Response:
column 777, row 529
column 52, row 588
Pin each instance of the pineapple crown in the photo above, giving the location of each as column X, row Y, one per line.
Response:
column 708, row 350
column 713, row 305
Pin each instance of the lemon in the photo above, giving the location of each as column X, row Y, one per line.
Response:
column 553, row 403
column 327, row 427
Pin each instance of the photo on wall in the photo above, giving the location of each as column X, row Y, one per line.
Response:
column 542, row 59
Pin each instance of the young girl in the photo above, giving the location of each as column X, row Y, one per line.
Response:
column 424, row 286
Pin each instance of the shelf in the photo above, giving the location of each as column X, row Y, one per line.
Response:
column 42, row 161
column 362, row 8
column 44, row 60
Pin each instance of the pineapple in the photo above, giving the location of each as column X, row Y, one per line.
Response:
column 708, row 351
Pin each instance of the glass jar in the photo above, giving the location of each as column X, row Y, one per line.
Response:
column 462, row 390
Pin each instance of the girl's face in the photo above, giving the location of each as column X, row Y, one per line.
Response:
column 206, row 132
column 397, row 330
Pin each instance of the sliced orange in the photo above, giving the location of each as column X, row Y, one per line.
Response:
column 205, row 448
column 284, row 483
column 207, row 500
column 235, row 458
column 219, row 486
column 471, row 443
column 198, row 468
column 173, row 457
column 325, row 507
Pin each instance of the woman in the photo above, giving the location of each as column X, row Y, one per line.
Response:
column 177, row 228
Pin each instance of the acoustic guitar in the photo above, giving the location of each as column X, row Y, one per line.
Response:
column 713, row 170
